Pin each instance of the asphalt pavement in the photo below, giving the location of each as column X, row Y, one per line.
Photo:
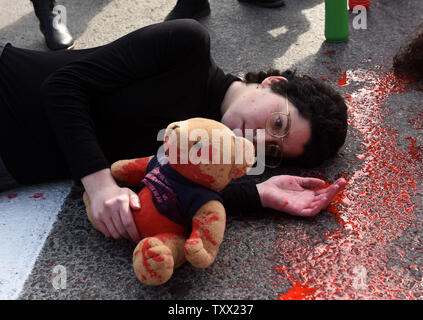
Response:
column 367, row 245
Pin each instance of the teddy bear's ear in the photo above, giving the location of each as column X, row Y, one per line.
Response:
column 244, row 156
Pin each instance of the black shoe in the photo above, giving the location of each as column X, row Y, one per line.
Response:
column 266, row 3
column 56, row 33
column 194, row 9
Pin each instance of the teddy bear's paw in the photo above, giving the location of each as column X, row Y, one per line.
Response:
column 153, row 262
column 197, row 255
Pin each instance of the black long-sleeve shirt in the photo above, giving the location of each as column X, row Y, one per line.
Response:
column 71, row 113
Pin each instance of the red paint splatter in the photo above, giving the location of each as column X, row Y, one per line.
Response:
column 335, row 70
column 195, row 172
column 374, row 209
column 299, row 292
column 414, row 151
column 343, row 80
column 134, row 171
column 354, row 3
column 37, row 195
column 158, row 258
column 200, row 226
column 147, row 253
column 329, row 53
column 193, row 241
column 417, row 121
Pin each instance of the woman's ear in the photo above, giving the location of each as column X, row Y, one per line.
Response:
column 267, row 83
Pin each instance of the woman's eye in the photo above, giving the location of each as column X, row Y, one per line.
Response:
column 273, row 150
column 278, row 123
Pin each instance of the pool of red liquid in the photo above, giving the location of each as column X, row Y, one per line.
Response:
column 375, row 209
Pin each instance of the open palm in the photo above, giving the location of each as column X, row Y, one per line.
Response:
column 298, row 196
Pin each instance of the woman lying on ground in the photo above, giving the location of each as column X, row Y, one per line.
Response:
column 70, row 114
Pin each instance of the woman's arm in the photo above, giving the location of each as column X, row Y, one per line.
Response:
column 111, row 207
column 67, row 93
column 139, row 55
column 298, row 196
column 241, row 198
column 294, row 195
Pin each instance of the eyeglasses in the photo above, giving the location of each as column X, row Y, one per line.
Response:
column 277, row 125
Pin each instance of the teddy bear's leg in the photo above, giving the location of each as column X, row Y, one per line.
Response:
column 130, row 172
column 155, row 258
column 208, row 227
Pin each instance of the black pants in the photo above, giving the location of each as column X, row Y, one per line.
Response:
column 6, row 180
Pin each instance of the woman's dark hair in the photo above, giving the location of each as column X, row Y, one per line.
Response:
column 408, row 61
column 317, row 102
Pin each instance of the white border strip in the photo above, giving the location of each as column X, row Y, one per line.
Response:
column 27, row 216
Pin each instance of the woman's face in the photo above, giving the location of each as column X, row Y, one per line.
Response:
column 251, row 108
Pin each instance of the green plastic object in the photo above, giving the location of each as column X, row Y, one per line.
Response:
column 336, row 20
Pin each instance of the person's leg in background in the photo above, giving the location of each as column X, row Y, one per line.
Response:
column 55, row 32
column 200, row 8
column 265, row 3
column 189, row 9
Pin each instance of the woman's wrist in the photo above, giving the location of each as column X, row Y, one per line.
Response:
column 98, row 180
column 260, row 190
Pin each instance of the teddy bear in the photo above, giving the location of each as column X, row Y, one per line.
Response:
column 182, row 217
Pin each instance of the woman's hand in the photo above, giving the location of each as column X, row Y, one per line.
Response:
column 296, row 195
column 111, row 206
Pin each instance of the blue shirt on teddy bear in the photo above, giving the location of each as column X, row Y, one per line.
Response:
column 175, row 196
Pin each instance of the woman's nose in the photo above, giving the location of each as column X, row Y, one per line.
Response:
column 262, row 135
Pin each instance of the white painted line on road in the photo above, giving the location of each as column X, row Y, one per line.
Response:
column 26, row 219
